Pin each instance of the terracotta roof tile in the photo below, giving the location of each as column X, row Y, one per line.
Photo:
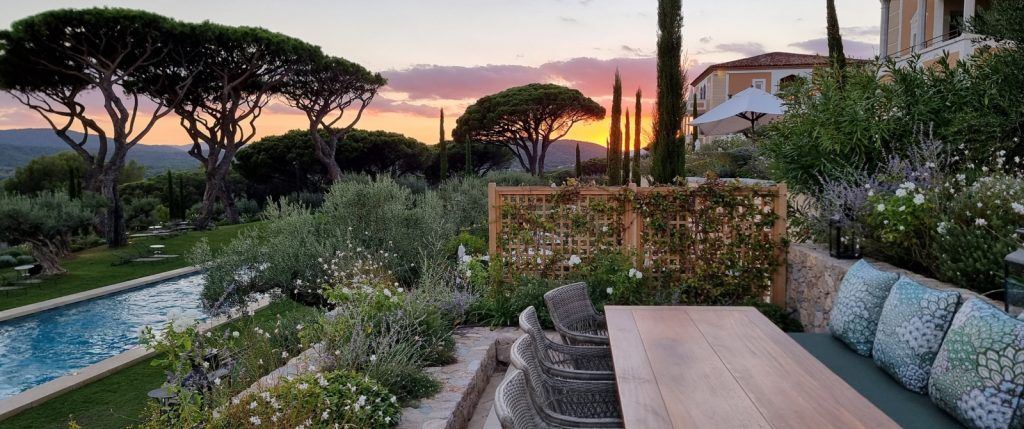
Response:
column 768, row 60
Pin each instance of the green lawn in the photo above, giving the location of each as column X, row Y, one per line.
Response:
column 95, row 267
column 117, row 400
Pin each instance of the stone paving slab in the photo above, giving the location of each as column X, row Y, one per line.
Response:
column 478, row 351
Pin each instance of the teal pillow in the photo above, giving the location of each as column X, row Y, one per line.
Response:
column 978, row 375
column 858, row 306
column 914, row 320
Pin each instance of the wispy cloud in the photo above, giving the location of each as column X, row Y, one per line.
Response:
column 852, row 48
column 868, row 32
column 745, row 48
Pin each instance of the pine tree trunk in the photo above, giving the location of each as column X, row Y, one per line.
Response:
column 217, row 189
column 109, row 219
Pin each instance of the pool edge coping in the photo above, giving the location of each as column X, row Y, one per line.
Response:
column 29, row 309
column 15, row 404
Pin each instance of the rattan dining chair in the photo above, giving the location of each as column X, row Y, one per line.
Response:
column 565, row 403
column 566, row 361
column 574, row 315
column 512, row 403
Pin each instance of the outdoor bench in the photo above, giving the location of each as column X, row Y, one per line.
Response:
column 908, row 409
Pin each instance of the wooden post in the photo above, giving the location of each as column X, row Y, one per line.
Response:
column 493, row 219
column 781, row 206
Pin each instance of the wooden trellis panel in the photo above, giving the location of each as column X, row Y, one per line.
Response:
column 627, row 230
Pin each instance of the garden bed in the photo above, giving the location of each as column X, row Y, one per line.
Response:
column 478, row 352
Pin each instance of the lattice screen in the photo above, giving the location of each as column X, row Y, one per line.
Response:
column 705, row 226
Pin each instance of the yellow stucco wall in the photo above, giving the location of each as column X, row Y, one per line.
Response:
column 738, row 81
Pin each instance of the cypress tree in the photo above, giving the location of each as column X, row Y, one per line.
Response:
column 615, row 138
column 636, row 140
column 169, row 192
column 695, row 131
column 579, row 163
column 182, row 209
column 444, row 150
column 668, row 157
column 835, row 40
column 625, row 151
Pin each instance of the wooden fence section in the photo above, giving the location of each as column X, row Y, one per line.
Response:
column 553, row 230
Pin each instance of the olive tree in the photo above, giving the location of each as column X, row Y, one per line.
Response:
column 52, row 61
column 46, row 222
column 324, row 88
column 526, row 120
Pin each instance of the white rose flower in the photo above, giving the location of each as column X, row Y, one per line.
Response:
column 918, row 199
column 1018, row 207
column 609, row 290
column 901, row 192
column 574, row 260
column 980, row 222
column 880, row 207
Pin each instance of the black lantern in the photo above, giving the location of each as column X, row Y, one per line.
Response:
column 1013, row 270
column 843, row 241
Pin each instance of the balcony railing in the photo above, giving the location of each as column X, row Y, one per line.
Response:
column 928, row 43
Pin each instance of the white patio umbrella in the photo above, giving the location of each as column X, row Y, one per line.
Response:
column 744, row 110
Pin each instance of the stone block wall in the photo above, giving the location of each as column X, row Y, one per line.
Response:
column 813, row 281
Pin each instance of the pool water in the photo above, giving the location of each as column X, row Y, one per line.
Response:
column 41, row 347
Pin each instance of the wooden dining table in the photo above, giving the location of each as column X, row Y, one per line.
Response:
column 724, row 367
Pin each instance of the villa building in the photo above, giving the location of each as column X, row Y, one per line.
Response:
column 769, row 71
column 929, row 28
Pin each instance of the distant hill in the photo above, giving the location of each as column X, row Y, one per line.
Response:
column 18, row 147
column 562, row 153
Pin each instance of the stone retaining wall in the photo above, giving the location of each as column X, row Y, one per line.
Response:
column 813, row 282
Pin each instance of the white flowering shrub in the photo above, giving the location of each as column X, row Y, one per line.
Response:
column 320, row 400
column 976, row 230
column 919, row 212
column 248, row 348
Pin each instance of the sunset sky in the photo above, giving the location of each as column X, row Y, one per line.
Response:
column 447, row 53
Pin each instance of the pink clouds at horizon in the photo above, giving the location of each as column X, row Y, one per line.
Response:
column 411, row 101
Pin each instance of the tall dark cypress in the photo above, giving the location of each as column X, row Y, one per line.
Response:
column 637, row 128
column 625, row 151
column 695, row 131
column 835, row 40
column 443, row 150
column 668, row 157
column 182, row 208
column 615, row 136
column 169, row 192
column 579, row 163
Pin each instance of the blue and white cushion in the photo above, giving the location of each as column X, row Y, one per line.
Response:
column 858, row 306
column 914, row 320
column 978, row 375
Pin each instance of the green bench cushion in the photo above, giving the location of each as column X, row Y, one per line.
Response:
column 908, row 409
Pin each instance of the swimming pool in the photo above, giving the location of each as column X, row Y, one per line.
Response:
column 40, row 347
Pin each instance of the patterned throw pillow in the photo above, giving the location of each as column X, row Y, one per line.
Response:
column 910, row 331
column 978, row 375
column 858, row 305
